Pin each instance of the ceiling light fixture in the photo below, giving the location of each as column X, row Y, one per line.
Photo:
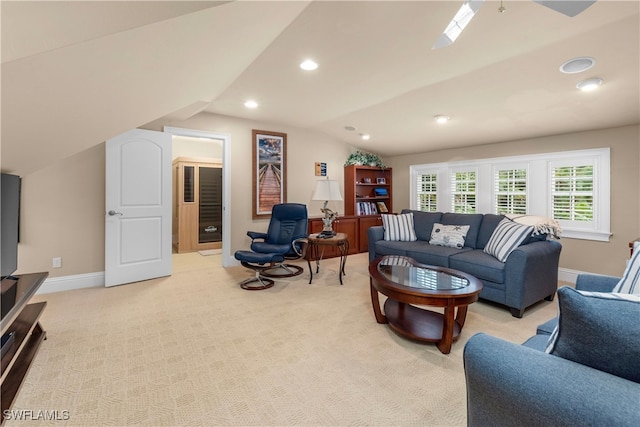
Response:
column 365, row 136
column 589, row 84
column 251, row 104
column 350, row 128
column 577, row 65
column 309, row 65
column 442, row 119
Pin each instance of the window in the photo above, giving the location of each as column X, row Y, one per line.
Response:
column 572, row 193
column 510, row 189
column 569, row 186
column 463, row 192
column 427, row 185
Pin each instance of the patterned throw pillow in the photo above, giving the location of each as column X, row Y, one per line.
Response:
column 448, row 235
column 630, row 281
column 399, row 227
column 507, row 236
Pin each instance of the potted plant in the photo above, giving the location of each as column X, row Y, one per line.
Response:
column 364, row 158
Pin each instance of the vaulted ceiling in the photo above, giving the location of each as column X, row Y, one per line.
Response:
column 77, row 73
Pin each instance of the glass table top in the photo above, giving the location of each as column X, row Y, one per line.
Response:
column 400, row 270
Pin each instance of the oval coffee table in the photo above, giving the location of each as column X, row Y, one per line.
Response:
column 406, row 282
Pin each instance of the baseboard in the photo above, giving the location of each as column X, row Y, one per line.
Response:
column 568, row 275
column 68, row 283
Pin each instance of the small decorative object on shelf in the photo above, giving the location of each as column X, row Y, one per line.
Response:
column 364, row 158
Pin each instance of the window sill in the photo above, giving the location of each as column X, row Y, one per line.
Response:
column 599, row 236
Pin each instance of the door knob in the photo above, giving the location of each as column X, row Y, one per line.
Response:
column 112, row 213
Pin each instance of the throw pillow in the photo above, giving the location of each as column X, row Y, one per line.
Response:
column 399, row 227
column 600, row 330
column 630, row 281
column 448, row 235
column 507, row 236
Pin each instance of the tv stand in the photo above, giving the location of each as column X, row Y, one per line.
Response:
column 22, row 320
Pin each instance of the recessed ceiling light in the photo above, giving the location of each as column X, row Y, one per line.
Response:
column 577, row 65
column 309, row 65
column 441, row 119
column 251, row 104
column 365, row 136
column 589, row 84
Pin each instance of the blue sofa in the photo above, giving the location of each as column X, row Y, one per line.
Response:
column 529, row 275
column 521, row 385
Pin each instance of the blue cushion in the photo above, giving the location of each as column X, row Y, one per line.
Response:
column 423, row 222
column 257, row 258
column 599, row 330
column 434, row 255
column 489, row 223
column 547, row 327
column 479, row 264
column 472, row 220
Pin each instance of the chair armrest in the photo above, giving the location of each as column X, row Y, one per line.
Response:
column 596, row 283
column 513, row 385
column 300, row 246
column 256, row 235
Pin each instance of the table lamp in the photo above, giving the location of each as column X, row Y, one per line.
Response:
column 327, row 190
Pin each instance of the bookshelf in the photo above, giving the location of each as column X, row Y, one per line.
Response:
column 367, row 190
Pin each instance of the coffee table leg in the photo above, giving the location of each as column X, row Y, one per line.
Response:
column 461, row 316
column 447, row 330
column 375, row 301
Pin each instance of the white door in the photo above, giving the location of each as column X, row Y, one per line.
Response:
column 138, row 207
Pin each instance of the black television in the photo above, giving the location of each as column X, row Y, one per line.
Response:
column 9, row 223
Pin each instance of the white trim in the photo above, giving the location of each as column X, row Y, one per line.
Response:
column 569, row 275
column 586, row 235
column 69, row 283
column 227, row 259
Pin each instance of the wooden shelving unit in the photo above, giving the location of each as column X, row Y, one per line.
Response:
column 360, row 189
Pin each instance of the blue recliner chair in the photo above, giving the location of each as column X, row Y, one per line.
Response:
column 285, row 239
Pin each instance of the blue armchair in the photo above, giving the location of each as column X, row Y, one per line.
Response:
column 522, row 385
column 285, row 239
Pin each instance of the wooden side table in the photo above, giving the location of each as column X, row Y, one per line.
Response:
column 340, row 240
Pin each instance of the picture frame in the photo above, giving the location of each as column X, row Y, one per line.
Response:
column 381, row 180
column 269, row 172
column 382, row 207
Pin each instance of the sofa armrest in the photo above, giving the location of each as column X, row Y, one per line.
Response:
column 596, row 283
column 531, row 274
column 512, row 385
column 374, row 234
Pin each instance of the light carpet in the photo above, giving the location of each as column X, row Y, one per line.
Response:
column 194, row 349
column 208, row 252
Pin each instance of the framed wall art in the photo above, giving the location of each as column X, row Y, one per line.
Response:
column 269, row 171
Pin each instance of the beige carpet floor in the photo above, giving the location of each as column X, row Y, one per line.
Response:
column 194, row 349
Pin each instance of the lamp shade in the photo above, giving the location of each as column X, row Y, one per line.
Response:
column 327, row 190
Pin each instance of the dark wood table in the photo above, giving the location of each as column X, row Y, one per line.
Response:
column 406, row 282
column 316, row 248
column 22, row 322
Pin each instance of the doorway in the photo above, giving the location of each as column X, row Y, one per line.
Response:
column 202, row 149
